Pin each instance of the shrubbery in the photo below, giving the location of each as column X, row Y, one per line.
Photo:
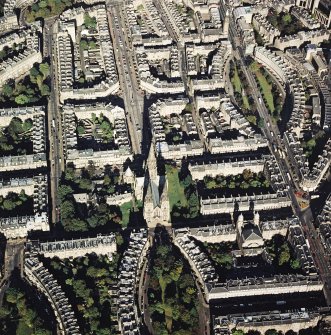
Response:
column 172, row 293
column 87, row 281
column 15, row 138
column 13, row 200
column 47, row 8
column 18, row 315
column 80, row 217
column 246, row 180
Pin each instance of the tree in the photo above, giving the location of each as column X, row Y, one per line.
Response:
column 80, row 129
column 85, row 184
column 187, row 181
column 176, row 271
column 12, row 295
column 295, row 264
column 287, row 18
column 44, row 69
column 75, row 225
column 27, row 125
column 194, row 205
column 42, row 332
column 186, row 281
column 33, row 74
column 7, row 90
column 251, row 119
column 254, row 66
column 290, row 332
column 188, row 107
column 43, row 4
column 160, row 328
column 119, row 239
column 311, row 144
column 83, row 44
column 271, row 332
column 93, row 221
column 15, row 128
column 64, row 190
column 92, row 45
column 67, row 209
column 22, row 99
column 237, row 332
column 247, row 174
column 260, row 123
column 90, row 22
column 39, row 81
column 44, row 90
column 284, row 255
column 8, row 205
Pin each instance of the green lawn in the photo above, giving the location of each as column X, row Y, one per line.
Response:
column 236, row 80
column 125, row 209
column 237, row 86
column 175, row 189
column 245, row 101
column 266, row 90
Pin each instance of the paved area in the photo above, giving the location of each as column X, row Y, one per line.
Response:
column 13, row 259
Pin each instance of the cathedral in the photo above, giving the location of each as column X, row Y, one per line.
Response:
column 156, row 201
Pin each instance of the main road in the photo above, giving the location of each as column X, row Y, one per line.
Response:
column 54, row 119
column 124, row 56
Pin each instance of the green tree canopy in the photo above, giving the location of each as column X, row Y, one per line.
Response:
column 44, row 69
column 90, row 21
column 22, row 99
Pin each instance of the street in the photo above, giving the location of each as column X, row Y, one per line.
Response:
column 133, row 101
column 54, row 121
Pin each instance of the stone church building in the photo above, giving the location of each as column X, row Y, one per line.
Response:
column 156, row 201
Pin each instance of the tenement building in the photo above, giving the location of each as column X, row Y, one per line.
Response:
column 100, row 245
column 45, row 282
column 86, row 141
column 95, row 74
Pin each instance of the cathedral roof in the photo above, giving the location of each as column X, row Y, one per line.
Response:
column 153, row 189
column 128, row 172
column 251, row 234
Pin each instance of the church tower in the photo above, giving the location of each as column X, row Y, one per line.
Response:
column 226, row 23
column 240, row 223
column 256, row 219
column 156, row 201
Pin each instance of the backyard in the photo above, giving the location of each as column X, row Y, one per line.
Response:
column 282, row 254
column 78, row 217
column 285, row 22
column 247, row 182
column 31, row 89
column 15, row 139
column 220, row 254
column 100, row 128
column 14, row 203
